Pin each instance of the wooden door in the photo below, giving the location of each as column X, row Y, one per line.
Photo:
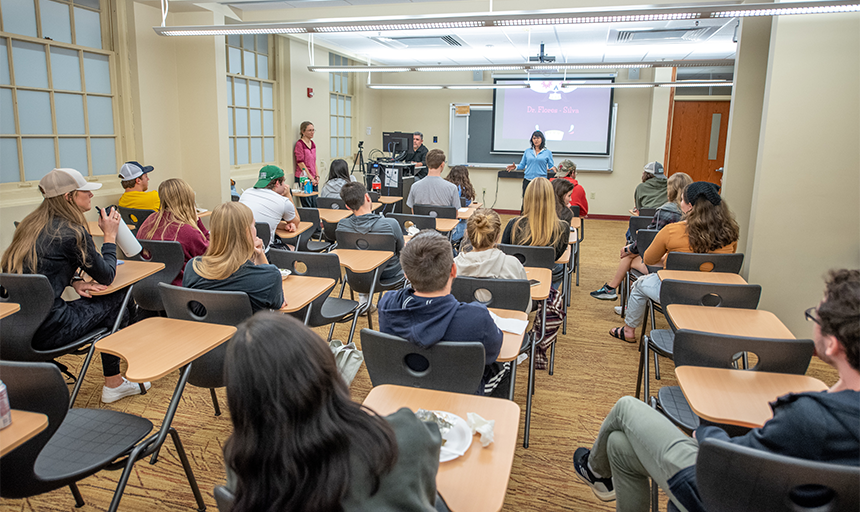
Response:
column 697, row 145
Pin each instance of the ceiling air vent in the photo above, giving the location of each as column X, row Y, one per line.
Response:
column 679, row 35
column 420, row 42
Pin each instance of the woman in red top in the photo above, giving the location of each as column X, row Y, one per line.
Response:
column 567, row 171
column 177, row 221
column 306, row 161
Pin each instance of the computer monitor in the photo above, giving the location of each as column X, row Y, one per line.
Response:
column 396, row 142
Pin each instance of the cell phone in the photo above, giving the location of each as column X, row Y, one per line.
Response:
column 107, row 210
column 534, row 282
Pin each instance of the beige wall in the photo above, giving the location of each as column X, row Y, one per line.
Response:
column 805, row 216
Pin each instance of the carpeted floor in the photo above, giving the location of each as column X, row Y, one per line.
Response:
column 592, row 371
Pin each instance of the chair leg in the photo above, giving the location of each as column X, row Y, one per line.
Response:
column 142, row 388
column 656, row 366
column 76, row 493
column 646, row 378
column 655, row 498
column 625, row 290
column 552, row 356
column 215, row 402
column 642, row 363
column 201, row 506
column 529, row 393
column 513, row 380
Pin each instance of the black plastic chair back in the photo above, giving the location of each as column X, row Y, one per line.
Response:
column 369, row 241
column 637, row 223
column 374, row 196
column 145, row 292
column 647, row 212
column 264, row 233
column 312, row 215
column 34, row 294
column 439, row 212
column 34, row 387
column 421, row 222
column 744, row 296
column 331, row 203
column 224, row 498
column 309, row 264
column 218, row 307
column 733, row 478
column 513, row 294
column 644, row 237
column 529, row 256
column 693, row 348
column 452, row 366
column 575, row 210
column 464, row 202
column 134, row 216
column 730, row 263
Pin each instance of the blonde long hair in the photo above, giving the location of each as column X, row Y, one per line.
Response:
column 675, row 186
column 231, row 242
column 177, row 207
column 21, row 255
column 542, row 223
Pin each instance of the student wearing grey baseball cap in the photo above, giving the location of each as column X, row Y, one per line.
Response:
column 651, row 193
column 53, row 241
column 135, row 181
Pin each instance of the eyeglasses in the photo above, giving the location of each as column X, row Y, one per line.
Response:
column 811, row 315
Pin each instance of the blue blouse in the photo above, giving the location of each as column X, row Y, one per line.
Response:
column 536, row 165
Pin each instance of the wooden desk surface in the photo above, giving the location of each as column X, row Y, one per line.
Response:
column 333, row 216
column 95, row 230
column 446, row 225
column 754, row 323
column 576, row 222
column 544, row 275
column 362, row 261
column 157, row 346
column 565, row 258
column 375, row 206
column 7, row 308
column 207, row 213
column 303, row 226
column 702, row 277
column 130, row 272
column 511, row 342
column 303, row 194
column 478, row 480
column 390, row 199
column 302, row 290
column 468, row 213
column 738, row 397
column 25, row 425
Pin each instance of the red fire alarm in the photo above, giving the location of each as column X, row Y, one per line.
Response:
column 310, row 92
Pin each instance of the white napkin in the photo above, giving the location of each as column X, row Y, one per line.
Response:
column 481, row 426
column 412, row 230
column 511, row 325
column 464, row 210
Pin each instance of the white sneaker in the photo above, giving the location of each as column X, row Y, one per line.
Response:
column 618, row 310
column 111, row 395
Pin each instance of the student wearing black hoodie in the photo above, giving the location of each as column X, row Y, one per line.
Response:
column 427, row 313
column 636, row 442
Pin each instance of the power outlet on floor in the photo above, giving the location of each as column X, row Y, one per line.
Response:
column 592, row 195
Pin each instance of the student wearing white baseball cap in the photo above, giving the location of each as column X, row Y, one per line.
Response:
column 135, row 181
column 53, row 241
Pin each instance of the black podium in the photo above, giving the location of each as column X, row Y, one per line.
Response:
column 397, row 180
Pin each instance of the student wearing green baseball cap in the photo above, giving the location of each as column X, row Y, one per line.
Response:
column 271, row 202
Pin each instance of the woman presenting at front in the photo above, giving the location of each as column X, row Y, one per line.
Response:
column 306, row 161
column 536, row 161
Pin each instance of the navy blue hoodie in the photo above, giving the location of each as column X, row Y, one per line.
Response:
column 822, row 426
column 427, row 321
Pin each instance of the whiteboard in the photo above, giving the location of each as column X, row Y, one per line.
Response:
column 471, row 143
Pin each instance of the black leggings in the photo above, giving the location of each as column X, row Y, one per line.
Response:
column 81, row 317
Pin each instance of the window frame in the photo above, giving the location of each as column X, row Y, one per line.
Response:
column 335, row 116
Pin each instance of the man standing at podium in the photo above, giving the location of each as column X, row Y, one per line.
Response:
column 418, row 155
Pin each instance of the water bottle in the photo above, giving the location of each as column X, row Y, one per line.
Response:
column 309, row 186
column 376, row 186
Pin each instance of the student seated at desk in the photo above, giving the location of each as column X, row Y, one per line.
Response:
column 53, row 241
column 135, row 181
column 433, row 189
column 709, row 227
column 235, row 260
column 636, row 442
column 539, row 225
column 177, row 221
column 459, row 176
column 300, row 443
column 271, row 203
column 364, row 221
column 485, row 259
column 338, row 176
column 427, row 313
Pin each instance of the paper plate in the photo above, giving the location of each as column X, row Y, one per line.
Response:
column 284, row 273
column 457, row 440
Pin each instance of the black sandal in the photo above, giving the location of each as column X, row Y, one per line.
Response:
column 618, row 332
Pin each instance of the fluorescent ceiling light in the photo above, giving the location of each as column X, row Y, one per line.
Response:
column 404, row 87
column 516, row 18
column 559, row 66
column 488, row 86
column 564, row 85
